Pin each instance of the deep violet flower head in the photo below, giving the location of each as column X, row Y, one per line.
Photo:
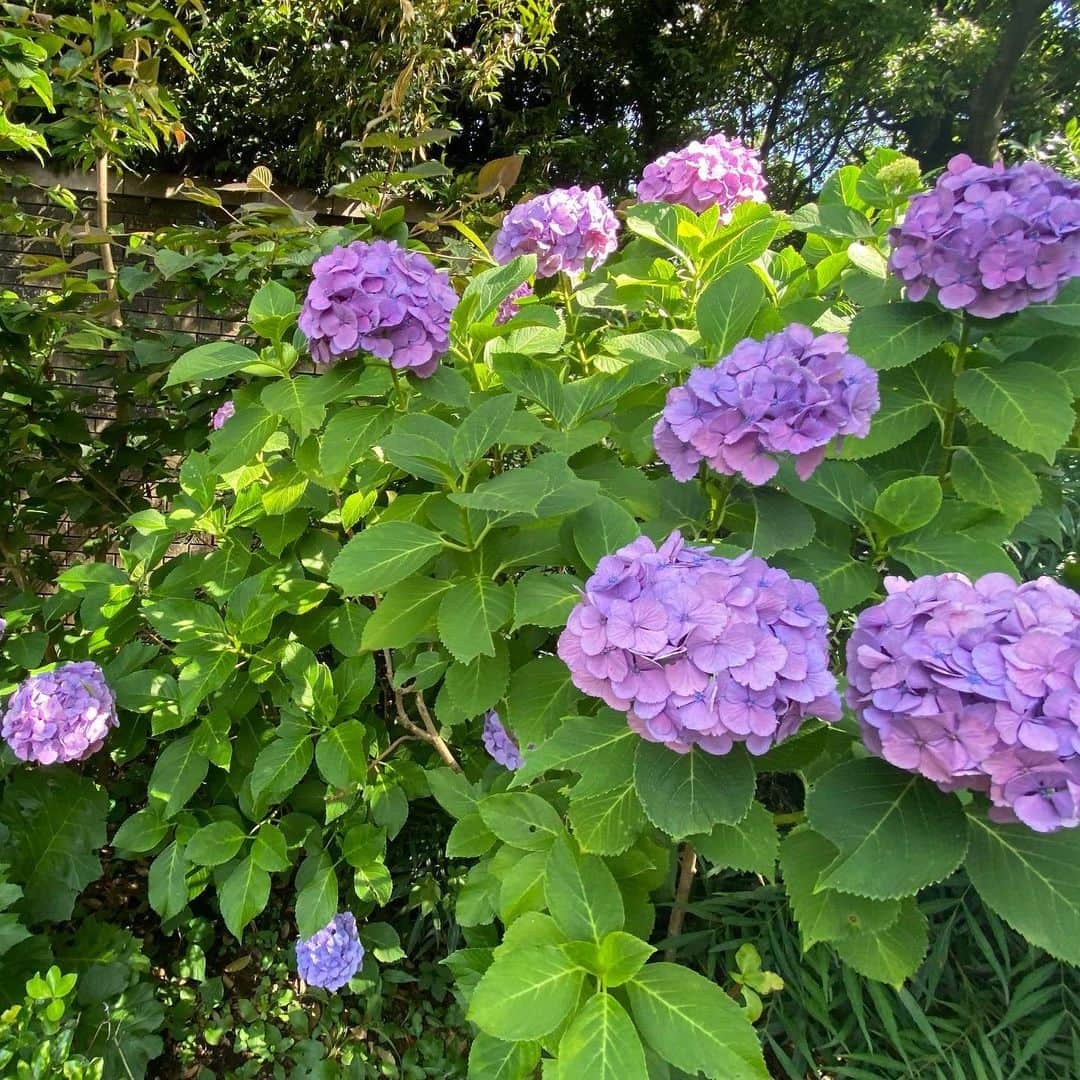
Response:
column 226, row 412
column 510, row 307
column 60, row 715
column 976, row 685
column 989, row 239
column 699, row 649
column 382, row 298
column 717, row 172
column 562, row 229
column 499, row 743
column 333, row 956
column 791, row 393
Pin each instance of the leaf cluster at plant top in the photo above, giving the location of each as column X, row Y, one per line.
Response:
column 392, row 557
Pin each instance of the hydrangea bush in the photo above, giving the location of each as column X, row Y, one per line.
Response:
column 578, row 574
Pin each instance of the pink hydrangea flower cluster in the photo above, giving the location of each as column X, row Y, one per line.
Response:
column 60, row 715
column 331, row 957
column 990, row 240
column 382, row 298
column 562, row 228
column 499, row 743
column 225, row 412
column 510, row 307
column 791, row 393
column 698, row 649
column 717, row 172
column 976, row 685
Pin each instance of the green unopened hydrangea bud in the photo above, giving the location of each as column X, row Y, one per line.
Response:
column 901, row 174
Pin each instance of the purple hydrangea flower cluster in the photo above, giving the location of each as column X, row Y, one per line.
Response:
column 976, row 685
column 510, row 307
column 562, row 229
column 698, row 649
column 989, row 239
column 226, row 412
column 499, row 743
column 717, row 172
column 331, row 957
column 60, row 715
column 791, row 393
column 382, row 298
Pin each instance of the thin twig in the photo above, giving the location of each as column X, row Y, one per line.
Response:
column 390, row 749
column 687, row 870
column 429, row 733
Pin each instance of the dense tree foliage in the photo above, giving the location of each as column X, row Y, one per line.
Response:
column 286, row 85
column 596, row 90
column 813, row 84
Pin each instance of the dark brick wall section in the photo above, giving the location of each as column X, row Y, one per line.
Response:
column 136, row 205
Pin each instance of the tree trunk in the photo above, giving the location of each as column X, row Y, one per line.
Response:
column 986, row 105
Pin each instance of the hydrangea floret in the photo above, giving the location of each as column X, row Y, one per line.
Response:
column 717, row 172
column 701, row 650
column 225, row 412
column 990, row 240
column 331, row 957
column 790, row 393
column 499, row 743
column 382, row 298
column 562, row 228
column 60, row 715
column 976, row 685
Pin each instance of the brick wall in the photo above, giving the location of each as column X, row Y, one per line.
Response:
column 136, row 205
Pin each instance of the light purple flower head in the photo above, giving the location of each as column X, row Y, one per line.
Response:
column 990, row 240
column 562, row 229
column 791, row 393
column 499, row 743
column 510, row 307
column 226, row 412
column 60, row 715
column 331, row 957
column 717, row 172
column 382, row 298
column 3, row 627
column 698, row 649
column 976, row 685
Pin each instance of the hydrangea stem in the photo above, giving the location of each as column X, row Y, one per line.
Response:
column 687, row 871
column 948, row 424
column 718, row 488
column 429, row 732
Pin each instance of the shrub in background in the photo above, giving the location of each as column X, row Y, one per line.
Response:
column 395, row 557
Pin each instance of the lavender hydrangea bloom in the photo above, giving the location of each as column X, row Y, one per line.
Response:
column 791, row 393
column 717, row 172
column 509, row 307
column 60, row 715
column 701, row 650
column 499, row 743
column 562, row 229
column 3, row 627
column 976, row 685
column 333, row 956
column 989, row 239
column 226, row 412
column 382, row 298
